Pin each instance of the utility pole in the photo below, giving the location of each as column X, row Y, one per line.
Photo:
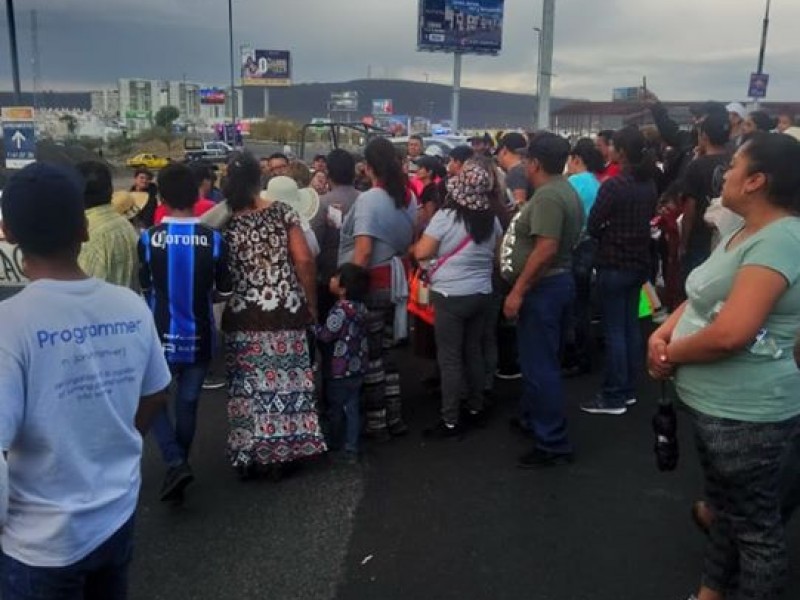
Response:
column 233, row 81
column 456, row 105
column 12, row 40
column 538, row 31
column 37, row 73
column 546, row 62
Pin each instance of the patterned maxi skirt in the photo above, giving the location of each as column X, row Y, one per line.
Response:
column 271, row 410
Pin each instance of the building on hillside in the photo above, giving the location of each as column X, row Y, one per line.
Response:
column 105, row 103
column 141, row 99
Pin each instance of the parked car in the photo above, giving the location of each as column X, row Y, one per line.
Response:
column 148, row 161
column 211, row 151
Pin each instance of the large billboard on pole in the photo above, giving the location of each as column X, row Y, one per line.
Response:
column 270, row 68
column 465, row 26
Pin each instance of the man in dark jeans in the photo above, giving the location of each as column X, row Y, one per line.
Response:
column 537, row 256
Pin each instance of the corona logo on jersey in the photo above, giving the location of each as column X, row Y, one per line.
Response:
column 162, row 239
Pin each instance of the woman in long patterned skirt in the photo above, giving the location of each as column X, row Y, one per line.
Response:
column 271, row 410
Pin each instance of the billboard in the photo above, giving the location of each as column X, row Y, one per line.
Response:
column 382, row 107
column 627, row 94
column 212, row 96
column 343, row 102
column 266, row 68
column 464, row 26
column 758, row 85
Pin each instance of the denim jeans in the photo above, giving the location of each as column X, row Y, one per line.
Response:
column 542, row 320
column 344, row 412
column 176, row 441
column 101, row 575
column 619, row 297
column 459, row 328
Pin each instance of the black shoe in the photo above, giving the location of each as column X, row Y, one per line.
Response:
column 536, row 459
column 214, row 383
column 443, row 431
column 574, row 371
column 508, row 375
column 476, row 419
column 175, row 481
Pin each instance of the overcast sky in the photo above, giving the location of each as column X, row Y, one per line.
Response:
column 688, row 49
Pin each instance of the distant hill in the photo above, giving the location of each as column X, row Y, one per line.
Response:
column 63, row 100
column 479, row 108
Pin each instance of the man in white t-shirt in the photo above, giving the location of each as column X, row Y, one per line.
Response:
column 82, row 375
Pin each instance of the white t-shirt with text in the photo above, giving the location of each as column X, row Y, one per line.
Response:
column 75, row 359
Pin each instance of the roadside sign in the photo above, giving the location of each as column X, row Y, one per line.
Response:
column 19, row 136
column 758, row 85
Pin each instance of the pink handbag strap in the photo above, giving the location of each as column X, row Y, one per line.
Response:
column 450, row 255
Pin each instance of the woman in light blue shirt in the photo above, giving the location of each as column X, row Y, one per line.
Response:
column 730, row 349
column 463, row 239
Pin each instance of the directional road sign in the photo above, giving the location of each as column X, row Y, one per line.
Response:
column 19, row 136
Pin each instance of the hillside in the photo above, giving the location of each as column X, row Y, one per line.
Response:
column 479, row 108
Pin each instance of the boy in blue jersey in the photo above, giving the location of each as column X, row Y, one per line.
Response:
column 183, row 269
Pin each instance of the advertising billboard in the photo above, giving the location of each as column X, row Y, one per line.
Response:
column 627, row 94
column 343, row 102
column 266, row 68
column 212, row 96
column 758, row 85
column 464, row 26
column 382, row 107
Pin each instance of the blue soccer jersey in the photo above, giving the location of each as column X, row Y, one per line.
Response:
column 182, row 263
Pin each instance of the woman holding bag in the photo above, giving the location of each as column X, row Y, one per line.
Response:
column 463, row 238
column 729, row 347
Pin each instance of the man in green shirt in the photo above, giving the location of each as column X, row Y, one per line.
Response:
column 110, row 253
column 536, row 258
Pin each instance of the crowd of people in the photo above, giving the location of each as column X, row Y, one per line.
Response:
column 494, row 261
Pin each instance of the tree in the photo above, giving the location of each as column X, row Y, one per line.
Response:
column 166, row 116
column 71, row 122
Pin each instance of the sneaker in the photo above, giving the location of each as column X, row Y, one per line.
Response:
column 631, row 401
column 598, row 406
column 443, row 431
column 537, row 458
column 508, row 375
column 175, row 481
column 213, row 383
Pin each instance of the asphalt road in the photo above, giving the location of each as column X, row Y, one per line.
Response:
column 443, row 520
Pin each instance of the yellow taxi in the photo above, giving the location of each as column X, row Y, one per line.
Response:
column 148, row 161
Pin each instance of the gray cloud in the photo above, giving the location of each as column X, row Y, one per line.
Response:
column 687, row 49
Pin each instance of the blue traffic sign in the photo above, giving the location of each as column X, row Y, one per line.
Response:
column 19, row 139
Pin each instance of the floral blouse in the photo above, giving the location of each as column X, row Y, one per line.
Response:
column 267, row 295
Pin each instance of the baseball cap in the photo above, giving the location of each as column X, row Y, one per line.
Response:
column 717, row 127
column 43, row 208
column 485, row 138
column 513, row 142
column 551, row 150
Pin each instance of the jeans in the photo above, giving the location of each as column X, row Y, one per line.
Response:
column 746, row 551
column 459, row 328
column 539, row 337
column 101, row 575
column 175, row 442
column 344, row 404
column 619, row 292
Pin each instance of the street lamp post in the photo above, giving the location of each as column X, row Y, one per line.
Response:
column 538, row 31
column 233, row 81
column 12, row 40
